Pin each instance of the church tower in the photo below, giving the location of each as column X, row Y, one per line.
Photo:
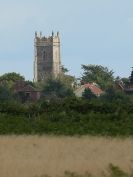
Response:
column 47, row 60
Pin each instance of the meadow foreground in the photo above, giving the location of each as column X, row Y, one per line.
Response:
column 33, row 156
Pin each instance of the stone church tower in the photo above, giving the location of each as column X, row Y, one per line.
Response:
column 47, row 60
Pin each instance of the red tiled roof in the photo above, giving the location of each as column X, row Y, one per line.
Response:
column 94, row 88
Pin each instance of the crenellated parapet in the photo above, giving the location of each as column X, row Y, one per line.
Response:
column 47, row 39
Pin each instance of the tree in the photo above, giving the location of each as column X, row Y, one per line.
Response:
column 87, row 94
column 11, row 78
column 5, row 93
column 68, row 80
column 114, row 95
column 31, row 83
column 125, row 81
column 55, row 88
column 131, row 77
column 64, row 69
column 98, row 74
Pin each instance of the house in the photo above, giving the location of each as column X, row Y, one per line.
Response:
column 129, row 89
column 26, row 92
column 92, row 86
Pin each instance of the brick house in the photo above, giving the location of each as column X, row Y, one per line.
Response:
column 26, row 92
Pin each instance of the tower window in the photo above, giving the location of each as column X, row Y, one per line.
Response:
column 43, row 55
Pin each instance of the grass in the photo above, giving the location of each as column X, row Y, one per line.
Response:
column 35, row 156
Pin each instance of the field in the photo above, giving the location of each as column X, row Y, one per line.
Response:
column 34, row 156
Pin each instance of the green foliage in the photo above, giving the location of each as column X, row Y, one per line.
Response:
column 111, row 94
column 30, row 83
column 5, row 93
column 55, row 88
column 115, row 171
column 98, row 74
column 131, row 77
column 10, row 78
column 69, row 116
column 64, row 69
column 125, row 81
column 87, row 94
column 65, row 114
column 67, row 80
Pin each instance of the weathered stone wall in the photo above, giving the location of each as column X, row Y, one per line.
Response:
column 47, row 56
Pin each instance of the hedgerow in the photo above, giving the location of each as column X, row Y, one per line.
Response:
column 70, row 116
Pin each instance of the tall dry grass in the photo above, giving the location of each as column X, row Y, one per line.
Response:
column 30, row 156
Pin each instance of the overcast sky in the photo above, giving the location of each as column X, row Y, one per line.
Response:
column 92, row 32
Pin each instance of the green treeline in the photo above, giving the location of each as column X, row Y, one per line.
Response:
column 71, row 116
column 60, row 112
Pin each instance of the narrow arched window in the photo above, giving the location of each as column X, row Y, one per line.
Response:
column 44, row 55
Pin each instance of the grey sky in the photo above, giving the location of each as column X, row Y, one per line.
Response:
column 92, row 32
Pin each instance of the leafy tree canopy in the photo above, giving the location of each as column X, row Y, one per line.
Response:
column 11, row 77
column 5, row 93
column 56, row 88
column 87, row 94
column 98, row 74
column 131, row 77
column 31, row 83
column 113, row 95
column 64, row 69
column 68, row 80
column 125, row 81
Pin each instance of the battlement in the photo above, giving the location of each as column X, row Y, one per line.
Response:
column 40, row 37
